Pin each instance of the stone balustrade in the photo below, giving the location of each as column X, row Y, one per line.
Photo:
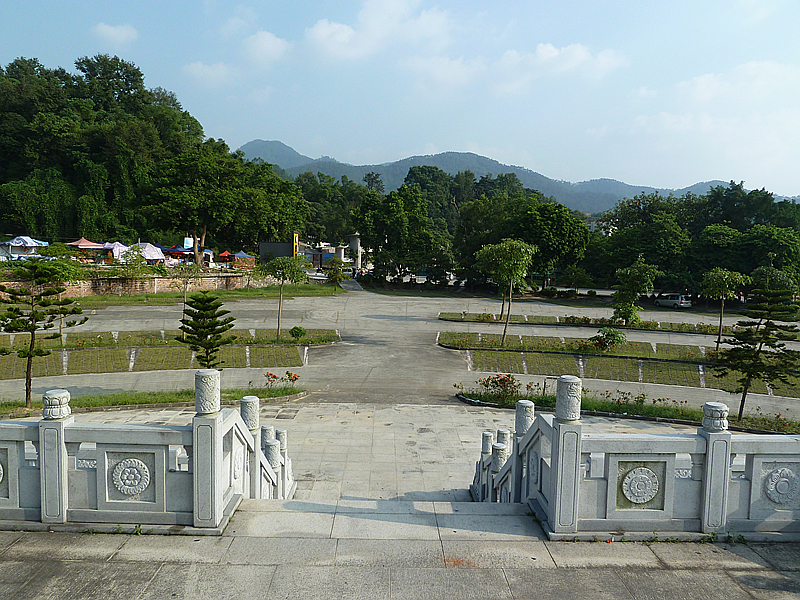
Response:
column 60, row 471
column 576, row 480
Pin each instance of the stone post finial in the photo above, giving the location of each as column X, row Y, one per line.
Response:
column 524, row 417
column 249, row 409
column 206, row 391
column 715, row 416
column 487, row 439
column 504, row 437
column 499, row 456
column 568, row 398
column 56, row 405
column 282, row 436
column 272, row 451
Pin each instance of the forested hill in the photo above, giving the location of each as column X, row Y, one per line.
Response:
column 596, row 195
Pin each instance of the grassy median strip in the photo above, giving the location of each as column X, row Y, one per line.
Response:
column 17, row 408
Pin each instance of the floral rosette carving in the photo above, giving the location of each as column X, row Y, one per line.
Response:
column 238, row 463
column 781, row 485
column 1, row 473
column 131, row 476
column 640, row 485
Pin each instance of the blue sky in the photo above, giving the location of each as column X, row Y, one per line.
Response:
column 651, row 93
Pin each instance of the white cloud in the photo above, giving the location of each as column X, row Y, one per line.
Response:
column 264, row 48
column 379, row 25
column 754, row 84
column 118, row 35
column 644, row 93
column 443, row 74
column 243, row 21
column 212, row 76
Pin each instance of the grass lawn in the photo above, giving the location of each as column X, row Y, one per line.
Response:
column 137, row 398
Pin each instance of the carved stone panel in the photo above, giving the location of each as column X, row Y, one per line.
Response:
column 130, row 476
column 640, row 485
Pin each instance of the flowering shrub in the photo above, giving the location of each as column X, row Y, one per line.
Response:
column 504, row 386
column 287, row 380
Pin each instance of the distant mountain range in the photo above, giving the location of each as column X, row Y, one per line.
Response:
column 592, row 196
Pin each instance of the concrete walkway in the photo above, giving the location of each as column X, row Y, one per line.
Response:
column 379, row 514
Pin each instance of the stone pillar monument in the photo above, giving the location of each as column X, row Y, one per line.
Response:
column 566, row 455
column 207, row 449
column 53, row 457
column 717, row 468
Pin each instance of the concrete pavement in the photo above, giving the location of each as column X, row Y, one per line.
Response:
column 380, row 514
column 388, row 351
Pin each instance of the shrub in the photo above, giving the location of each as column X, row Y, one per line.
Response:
column 297, row 332
column 591, row 293
column 549, row 292
column 504, row 386
column 607, row 338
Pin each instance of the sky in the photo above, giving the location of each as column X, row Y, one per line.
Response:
column 664, row 94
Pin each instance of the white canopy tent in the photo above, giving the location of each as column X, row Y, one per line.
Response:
column 22, row 245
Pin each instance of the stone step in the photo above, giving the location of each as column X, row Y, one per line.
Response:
column 361, row 506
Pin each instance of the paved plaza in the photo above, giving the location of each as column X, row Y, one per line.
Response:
column 383, row 455
column 381, row 511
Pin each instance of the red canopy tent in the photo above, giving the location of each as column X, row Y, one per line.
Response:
column 84, row 244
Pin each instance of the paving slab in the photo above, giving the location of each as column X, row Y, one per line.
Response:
column 281, row 551
column 389, row 553
column 436, row 584
column 88, row 580
column 481, row 508
column 656, row 584
column 493, row 554
column 281, row 524
column 783, row 557
column 199, row 549
column 386, row 507
column 386, row 526
column 7, row 538
column 601, row 554
column 567, row 584
column 52, row 546
column 769, row 585
column 326, row 583
column 249, row 505
column 510, row 528
column 209, row 582
column 722, row 556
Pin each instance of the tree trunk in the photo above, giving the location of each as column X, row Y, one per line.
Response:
column 508, row 315
column 503, row 305
column 721, row 311
column 744, row 396
column 29, row 371
column 280, row 306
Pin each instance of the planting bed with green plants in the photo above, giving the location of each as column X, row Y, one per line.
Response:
column 701, row 328
column 88, row 352
column 505, row 390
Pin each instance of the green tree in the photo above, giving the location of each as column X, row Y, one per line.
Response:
column 634, row 280
column 333, row 270
column 507, row 263
column 203, row 327
column 758, row 351
column 722, row 284
column 285, row 269
column 33, row 307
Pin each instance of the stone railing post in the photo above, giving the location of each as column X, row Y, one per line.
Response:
column 716, row 472
column 522, row 423
column 53, row 457
column 272, row 451
column 566, row 455
column 249, row 408
column 500, row 453
column 207, row 449
column 286, row 471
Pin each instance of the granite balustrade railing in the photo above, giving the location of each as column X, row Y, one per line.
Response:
column 577, row 479
column 59, row 471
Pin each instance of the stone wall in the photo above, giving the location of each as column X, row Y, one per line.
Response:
column 153, row 284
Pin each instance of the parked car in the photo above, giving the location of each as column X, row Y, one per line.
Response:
column 673, row 300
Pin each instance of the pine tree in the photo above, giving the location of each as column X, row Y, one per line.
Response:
column 203, row 327
column 758, row 351
column 33, row 307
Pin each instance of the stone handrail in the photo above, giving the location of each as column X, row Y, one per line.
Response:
column 578, row 481
column 58, row 471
